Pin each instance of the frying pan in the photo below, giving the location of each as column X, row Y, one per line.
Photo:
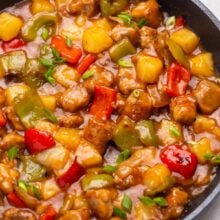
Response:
column 206, row 25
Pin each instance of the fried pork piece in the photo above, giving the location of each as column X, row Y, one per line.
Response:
column 127, row 81
column 138, row 107
column 98, row 132
column 176, row 199
column 87, row 7
column 70, row 121
column 150, row 10
column 10, row 140
column 18, row 214
column 101, row 77
column 13, row 118
column 120, row 32
column 183, row 109
column 74, row 99
column 207, row 95
column 101, row 202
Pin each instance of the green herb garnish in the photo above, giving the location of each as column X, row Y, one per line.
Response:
column 126, row 18
column 109, row 169
column 120, row 213
column 69, row 42
column 13, row 152
column 125, row 63
column 175, row 131
column 123, row 156
column 142, row 22
column 136, row 93
column 126, row 203
column 50, row 115
column 45, row 62
column 88, row 74
column 153, row 201
column 45, row 34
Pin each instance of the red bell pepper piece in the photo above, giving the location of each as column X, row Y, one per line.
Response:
column 50, row 214
column 180, row 21
column 12, row 44
column 85, row 64
column 37, row 141
column 72, row 175
column 3, row 121
column 177, row 80
column 179, row 160
column 104, row 99
column 71, row 54
column 14, row 200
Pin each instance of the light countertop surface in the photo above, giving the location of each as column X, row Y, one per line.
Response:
column 213, row 211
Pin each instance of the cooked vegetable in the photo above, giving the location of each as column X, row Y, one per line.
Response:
column 49, row 214
column 92, row 181
column 179, row 160
column 37, row 141
column 13, row 152
column 14, row 200
column 13, row 44
column 202, row 65
column 177, row 80
column 112, row 8
column 71, row 54
column 85, row 64
column 72, row 175
column 177, row 53
column 125, row 136
column 96, row 40
column 126, row 203
column 10, row 26
column 147, row 133
column 103, row 101
column 31, row 27
column 187, row 39
column 121, row 49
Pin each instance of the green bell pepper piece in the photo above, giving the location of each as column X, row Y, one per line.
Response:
column 13, row 62
column 147, row 133
column 34, row 73
column 30, row 109
column 109, row 7
column 125, row 136
column 94, row 181
column 121, row 49
column 31, row 27
column 34, row 171
column 177, row 53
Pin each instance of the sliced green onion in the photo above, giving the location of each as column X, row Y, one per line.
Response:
column 216, row 159
column 170, row 22
column 69, row 42
column 147, row 200
column 13, row 152
column 36, row 192
column 123, row 156
column 142, row 22
column 136, row 93
column 45, row 62
column 109, row 169
column 88, row 74
column 174, row 131
column 49, row 77
column 50, row 116
column 125, row 63
column 208, row 156
column 45, row 34
column 56, row 54
column 160, row 201
column 23, row 185
column 126, row 18
column 120, row 213
column 126, row 203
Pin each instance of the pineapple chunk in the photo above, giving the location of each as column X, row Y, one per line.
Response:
column 203, row 124
column 104, row 24
column 187, row 39
column 87, row 155
column 202, row 65
column 96, row 40
column 148, row 68
column 10, row 26
column 68, row 137
column 41, row 6
column 49, row 189
column 201, row 148
column 49, row 102
column 14, row 91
